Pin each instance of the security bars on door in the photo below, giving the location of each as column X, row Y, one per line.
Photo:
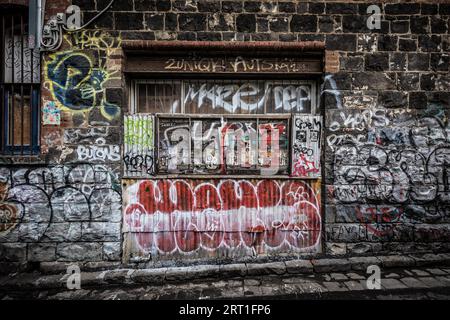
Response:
column 19, row 86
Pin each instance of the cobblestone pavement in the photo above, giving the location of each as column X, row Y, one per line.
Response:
column 297, row 279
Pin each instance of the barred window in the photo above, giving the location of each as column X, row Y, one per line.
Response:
column 238, row 127
column 19, row 85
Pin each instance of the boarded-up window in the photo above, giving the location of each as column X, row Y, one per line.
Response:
column 236, row 127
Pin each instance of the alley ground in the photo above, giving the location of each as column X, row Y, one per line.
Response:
column 407, row 277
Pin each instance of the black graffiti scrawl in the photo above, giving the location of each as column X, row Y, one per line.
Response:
column 59, row 203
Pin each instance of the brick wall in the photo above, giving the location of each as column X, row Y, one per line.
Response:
column 385, row 99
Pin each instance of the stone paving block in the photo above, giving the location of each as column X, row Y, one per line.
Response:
column 234, row 292
column 299, row 266
column 411, row 282
column 392, row 284
column 420, row 273
column 437, row 272
column 443, row 279
column 251, row 282
column 446, row 270
column 50, row 282
column 354, row 285
column 333, row 286
column 292, row 280
column 288, row 289
column 338, row 276
column 312, row 287
column 392, row 275
column 331, row 265
column 432, row 282
column 355, row 276
column 252, row 290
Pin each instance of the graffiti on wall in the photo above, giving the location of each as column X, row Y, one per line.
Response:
column 239, row 65
column 248, row 97
column 138, row 145
column 20, row 66
column 43, row 203
column 76, row 77
column 222, row 146
column 403, row 160
column 306, row 146
column 244, row 217
column 51, row 115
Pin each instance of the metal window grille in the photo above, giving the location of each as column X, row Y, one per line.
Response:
column 175, row 107
column 19, row 86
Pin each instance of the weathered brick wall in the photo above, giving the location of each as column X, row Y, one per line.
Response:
column 65, row 204
column 385, row 99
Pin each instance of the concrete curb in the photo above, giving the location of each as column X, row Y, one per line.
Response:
column 159, row 276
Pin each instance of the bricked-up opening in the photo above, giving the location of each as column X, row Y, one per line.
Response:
column 222, row 149
column 19, row 85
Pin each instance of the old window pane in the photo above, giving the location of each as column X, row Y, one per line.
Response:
column 274, row 145
column 22, row 65
column 224, row 97
column 289, row 97
column 206, row 152
column 19, row 114
column 19, row 85
column 240, row 145
column 174, row 145
column 224, row 130
column 159, row 97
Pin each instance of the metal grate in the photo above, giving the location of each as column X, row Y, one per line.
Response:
column 225, row 96
column 19, row 86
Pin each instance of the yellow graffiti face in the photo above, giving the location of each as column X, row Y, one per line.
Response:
column 76, row 78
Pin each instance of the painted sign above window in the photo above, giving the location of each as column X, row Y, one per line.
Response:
column 224, row 65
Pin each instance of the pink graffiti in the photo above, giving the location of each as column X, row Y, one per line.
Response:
column 303, row 167
column 169, row 216
column 380, row 220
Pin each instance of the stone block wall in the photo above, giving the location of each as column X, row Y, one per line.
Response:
column 385, row 100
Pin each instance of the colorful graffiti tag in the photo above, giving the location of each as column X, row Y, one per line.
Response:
column 52, row 203
column 77, row 77
column 138, row 145
column 398, row 174
column 223, row 146
column 248, row 217
column 306, row 146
